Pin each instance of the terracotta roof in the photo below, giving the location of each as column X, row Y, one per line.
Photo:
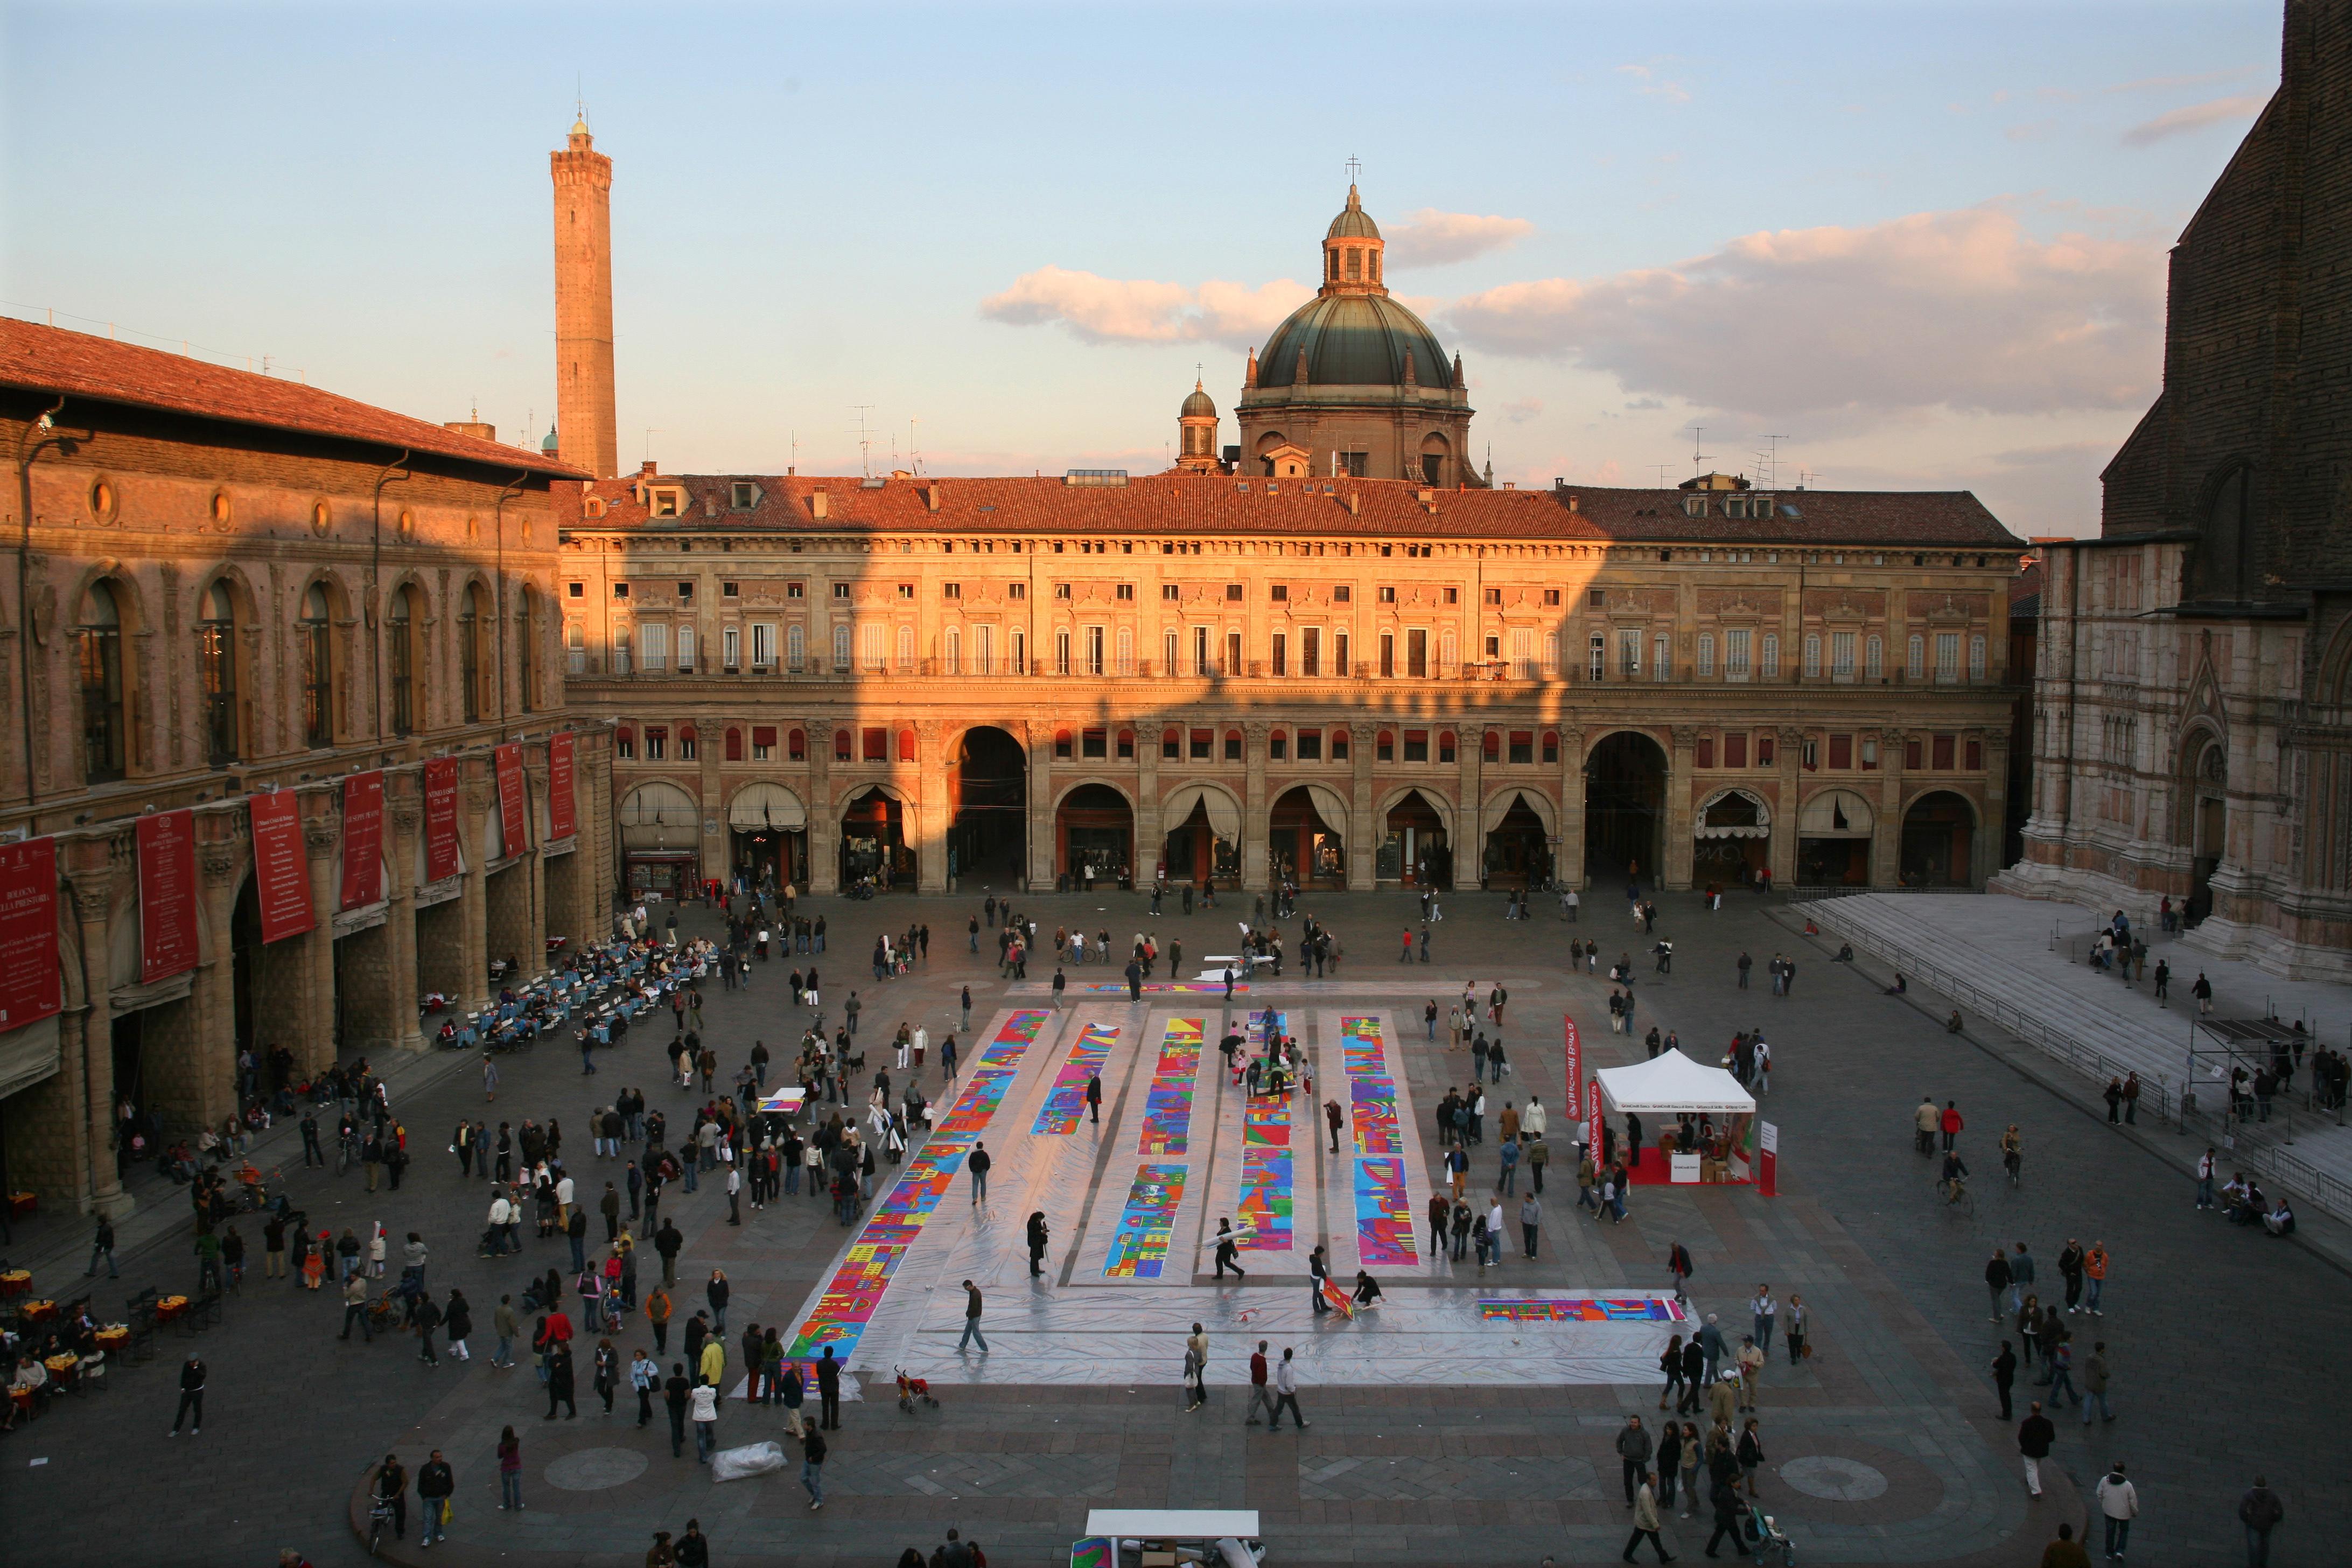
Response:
column 1183, row 503
column 53, row 360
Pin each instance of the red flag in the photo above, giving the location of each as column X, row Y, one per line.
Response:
column 281, row 872
column 167, row 894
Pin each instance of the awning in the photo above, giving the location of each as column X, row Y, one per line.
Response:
column 1726, row 814
column 660, row 816
column 1224, row 813
column 1835, row 813
column 1670, row 1083
column 1500, row 807
column 1331, row 808
column 761, row 804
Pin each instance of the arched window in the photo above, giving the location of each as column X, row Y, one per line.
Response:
column 1339, row 745
column 795, row 744
column 688, row 743
column 1873, row 657
column 575, row 648
column 526, row 634
column 1277, row 746
column 1552, row 745
column 474, row 663
column 1915, row 663
column 1445, row 745
column 314, row 630
column 104, row 738
column 906, row 752
column 1384, row 746
column 1062, row 745
column 906, row 650
column 841, row 743
column 1172, row 745
column 734, row 745
column 1491, row 748
column 217, row 669
column 405, row 659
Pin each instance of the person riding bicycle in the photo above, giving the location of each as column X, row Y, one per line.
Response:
column 1954, row 1180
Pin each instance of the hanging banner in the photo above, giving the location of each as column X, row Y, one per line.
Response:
column 1575, row 1064
column 281, row 872
column 30, row 987
column 1592, row 1114
column 1768, row 1148
column 514, row 801
column 563, row 820
column 440, row 818
column 167, row 895
column 362, row 839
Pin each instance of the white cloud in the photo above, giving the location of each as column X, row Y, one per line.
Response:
column 2195, row 117
column 1433, row 239
column 1652, row 85
column 1098, row 309
column 1858, row 327
column 1519, row 410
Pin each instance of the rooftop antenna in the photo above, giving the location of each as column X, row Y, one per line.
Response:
column 795, row 458
column 649, row 441
column 1697, row 457
column 864, row 438
column 1661, row 469
column 1773, row 463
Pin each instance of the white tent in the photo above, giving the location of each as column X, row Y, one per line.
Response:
column 1671, row 1083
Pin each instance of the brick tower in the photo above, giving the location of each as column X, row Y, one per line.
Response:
column 586, row 427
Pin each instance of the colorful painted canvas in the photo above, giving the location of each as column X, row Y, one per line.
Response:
column 1140, row 1246
column 1167, row 1107
column 1066, row 1102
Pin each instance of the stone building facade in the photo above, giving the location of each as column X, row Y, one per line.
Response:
column 240, row 603
column 1360, row 683
column 2194, row 696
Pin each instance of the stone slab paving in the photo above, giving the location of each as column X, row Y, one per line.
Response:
column 296, row 1416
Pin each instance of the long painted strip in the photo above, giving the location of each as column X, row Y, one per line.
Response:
column 1583, row 1309
column 841, row 1314
column 1168, row 1108
column 1384, row 1229
column 1140, row 1246
column 1383, row 1213
column 1066, row 1102
column 1266, row 1198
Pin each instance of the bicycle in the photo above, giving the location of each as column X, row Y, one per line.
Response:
column 1957, row 1195
column 379, row 1515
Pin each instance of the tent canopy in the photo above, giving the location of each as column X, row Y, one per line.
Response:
column 1671, row 1083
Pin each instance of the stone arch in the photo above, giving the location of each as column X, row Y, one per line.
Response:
column 1066, row 791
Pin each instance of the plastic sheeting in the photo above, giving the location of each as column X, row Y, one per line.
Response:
column 1077, row 1325
column 742, row 1463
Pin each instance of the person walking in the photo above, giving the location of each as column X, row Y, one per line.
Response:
column 2118, row 1506
column 1531, row 1217
column 702, row 1409
column 677, row 1398
column 1793, row 1332
column 1729, row 1510
column 434, row 1481
column 1038, row 1234
column 192, row 1397
column 645, row 1376
column 2004, row 1376
column 1259, row 1397
column 355, row 1309
column 1996, row 1278
column 658, row 1309
column 1645, row 1522
column 1765, row 1311
column 2261, row 1511
column 1196, row 1367
column 391, row 1489
column 102, row 1246
column 2094, row 1384
column 813, row 1447
column 972, row 1309
column 1634, row 1450
column 2034, row 1435
column 1286, row 1388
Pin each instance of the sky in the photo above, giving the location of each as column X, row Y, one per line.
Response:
column 1866, row 245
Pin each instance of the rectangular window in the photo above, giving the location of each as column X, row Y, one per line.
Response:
column 1735, row 751
column 763, row 645
column 1766, row 750
column 1416, row 745
column 950, row 590
column 1281, row 654
column 1339, row 655
column 1310, row 745
column 1453, row 596
column 653, row 651
column 1170, row 648
column 796, row 590
column 1388, row 595
column 763, row 743
column 1061, row 653
column 1523, row 746
column 1233, row 593
column 1310, row 652
column 1841, row 751
column 874, row 745
column 1705, row 752
column 1171, row 591
column 1771, row 656
column 1913, row 757
column 621, row 665
column 656, row 743
column 1916, row 665
column 841, row 590
column 1061, row 590
column 841, row 648
column 1126, row 591
column 1200, row 651
column 1233, row 654
column 1090, row 743
column 1199, row 742
column 730, row 648
column 1597, row 663
column 1445, row 745
column 1943, row 754
column 1276, row 747
column 620, row 590
column 1387, row 656
column 1948, row 657
column 1094, row 650
column 1869, row 755
column 1873, row 657
column 1661, row 658
column 685, row 640
column 1812, row 655
column 1523, row 653
column 1551, row 598
column 1416, row 653
column 1016, row 590
column 1341, row 593
column 1494, row 595
column 1126, row 650
column 1976, row 756
column 1842, row 655
column 1976, row 658
column 1811, row 752
column 1629, row 655
column 1279, row 593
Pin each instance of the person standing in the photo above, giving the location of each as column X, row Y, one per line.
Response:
column 2095, row 1266
column 813, row 1467
column 1794, row 1331
column 2261, row 1511
column 658, row 1313
column 2034, row 1435
column 678, row 1396
column 2069, row 1269
column 972, row 1309
column 2094, row 1384
column 702, row 1409
column 978, row 1164
column 1531, row 1217
column 1196, row 1369
column 1286, row 1388
column 1038, row 1236
column 1765, row 1310
column 1316, row 1272
column 1645, row 1520
column 1094, row 1099
column 1633, row 1451
column 391, row 1489
column 2004, row 1376
column 434, row 1483
column 510, row 1469
column 828, row 1391
column 645, row 1376
column 559, row 1390
column 192, row 1397
column 2118, row 1506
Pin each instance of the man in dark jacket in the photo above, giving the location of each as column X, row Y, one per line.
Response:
column 1634, row 1448
column 434, row 1483
column 828, row 1391
column 2261, row 1511
column 2004, row 1373
column 1997, row 1278
column 1725, row 1500
column 666, row 1241
column 675, row 1394
column 192, row 1396
column 2034, row 1435
column 426, row 1315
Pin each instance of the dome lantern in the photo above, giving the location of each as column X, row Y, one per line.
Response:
column 1352, row 248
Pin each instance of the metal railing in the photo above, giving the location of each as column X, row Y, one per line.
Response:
column 2246, row 1148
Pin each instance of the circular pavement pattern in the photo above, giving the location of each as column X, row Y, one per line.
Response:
column 599, row 1470
column 1816, row 1475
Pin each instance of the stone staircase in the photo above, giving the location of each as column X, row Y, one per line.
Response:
column 2020, row 965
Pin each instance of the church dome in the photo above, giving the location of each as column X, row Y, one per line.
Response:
column 1198, row 404
column 1353, row 339
column 1353, row 222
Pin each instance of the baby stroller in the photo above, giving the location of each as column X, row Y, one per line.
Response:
column 911, row 1389
column 1758, row 1534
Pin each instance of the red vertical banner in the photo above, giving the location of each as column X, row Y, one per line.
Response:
column 281, row 872
column 1575, row 1064
column 30, row 986
column 1592, row 1114
column 514, row 800
column 1768, row 1159
column 362, row 839
column 563, row 816
column 440, row 818
column 167, row 895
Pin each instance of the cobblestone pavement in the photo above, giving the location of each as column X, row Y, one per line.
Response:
column 1887, row 1434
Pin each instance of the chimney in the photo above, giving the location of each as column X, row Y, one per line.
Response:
column 817, row 504
column 932, row 496
column 648, row 469
column 1355, row 503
